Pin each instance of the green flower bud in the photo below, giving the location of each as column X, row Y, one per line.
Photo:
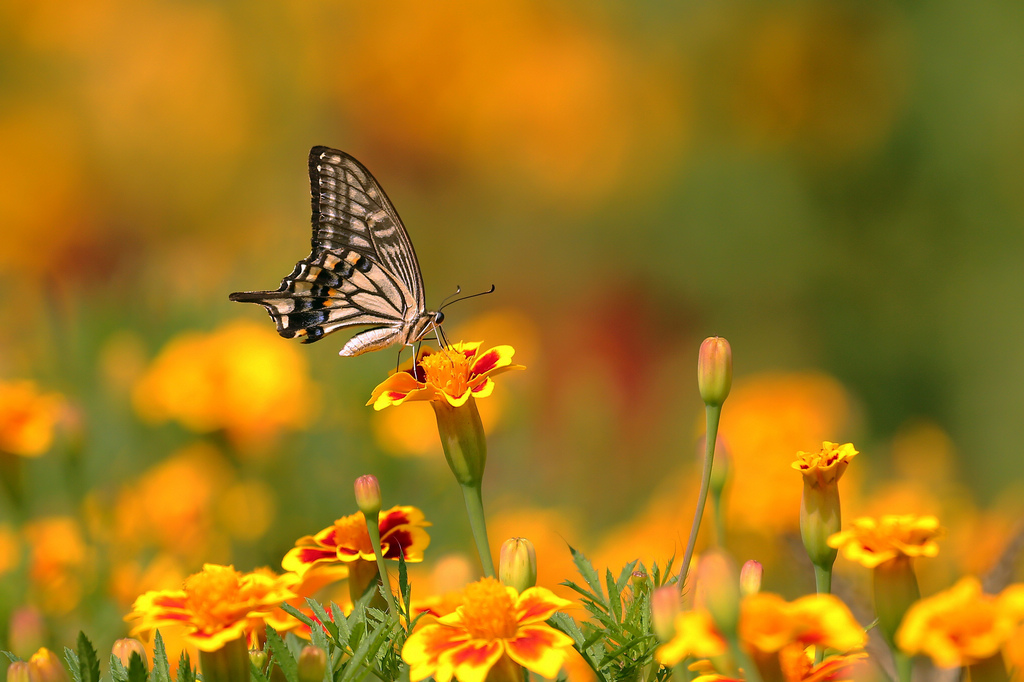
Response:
column 750, row 577
column 368, row 495
column 517, row 564
column 312, row 664
column 714, row 370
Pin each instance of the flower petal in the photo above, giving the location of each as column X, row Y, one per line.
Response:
column 539, row 648
column 474, row 659
column 537, row 604
column 491, row 359
column 423, row 649
column 301, row 559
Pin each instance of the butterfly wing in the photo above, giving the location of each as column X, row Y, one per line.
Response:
column 351, row 211
column 362, row 269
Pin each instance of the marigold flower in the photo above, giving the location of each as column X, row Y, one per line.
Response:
column 218, row 605
column 957, row 627
column 826, row 466
column 27, row 418
column 496, row 626
column 454, row 375
column 401, row 534
column 871, row 542
column 695, row 635
column 43, row 666
column 798, row 666
column 768, row 623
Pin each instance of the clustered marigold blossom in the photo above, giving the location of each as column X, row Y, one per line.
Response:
column 453, row 375
column 27, row 418
column 489, row 636
column 871, row 542
column 962, row 625
column 346, row 540
column 218, row 605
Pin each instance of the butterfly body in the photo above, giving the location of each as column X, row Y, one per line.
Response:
column 362, row 269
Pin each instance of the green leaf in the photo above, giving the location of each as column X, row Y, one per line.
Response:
column 186, row 673
column 117, row 669
column 404, row 588
column 614, row 595
column 625, row 576
column 282, row 656
column 586, row 569
column 72, row 659
column 325, row 620
column 255, row 674
column 88, row 663
column 161, row 666
column 137, row 669
column 356, row 670
column 10, row 657
column 344, row 633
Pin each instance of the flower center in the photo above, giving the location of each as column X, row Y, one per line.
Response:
column 448, row 371
column 212, row 593
column 488, row 612
column 350, row 532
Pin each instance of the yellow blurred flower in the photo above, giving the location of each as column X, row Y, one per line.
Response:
column 695, row 636
column 765, row 418
column 453, row 375
column 218, row 605
column 59, row 563
column 27, row 418
column 871, row 542
column 489, row 636
column 239, row 378
column 959, row 626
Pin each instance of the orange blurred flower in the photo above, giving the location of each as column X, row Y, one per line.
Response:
column 695, row 635
column 401, row 534
column 239, row 378
column 454, row 374
column 60, row 562
column 218, row 605
column 872, row 542
column 489, row 636
column 27, row 418
column 960, row 626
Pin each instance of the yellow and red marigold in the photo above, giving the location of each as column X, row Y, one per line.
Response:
column 962, row 625
column 218, row 605
column 489, row 636
column 346, row 540
column 871, row 542
column 454, row 374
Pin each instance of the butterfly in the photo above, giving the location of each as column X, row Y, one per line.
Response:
column 362, row 269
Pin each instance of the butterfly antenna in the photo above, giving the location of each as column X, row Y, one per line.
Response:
column 482, row 293
column 458, row 290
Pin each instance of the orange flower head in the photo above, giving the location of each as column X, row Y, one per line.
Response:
column 826, row 466
column 695, row 635
column 27, row 418
column 454, row 375
column 872, row 542
column 218, row 605
column 798, row 666
column 957, row 627
column 489, row 636
column 402, row 533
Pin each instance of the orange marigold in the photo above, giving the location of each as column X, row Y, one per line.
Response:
column 489, row 636
column 454, row 374
column 218, row 605
column 27, row 418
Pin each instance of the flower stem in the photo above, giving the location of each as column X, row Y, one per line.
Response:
column 904, row 665
column 373, row 527
column 712, row 413
column 475, row 508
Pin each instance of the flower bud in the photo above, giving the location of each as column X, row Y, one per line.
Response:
column 258, row 658
column 44, row 666
column 517, row 564
column 27, row 630
column 714, row 370
column 312, row 664
column 368, row 495
column 718, row 591
column 664, row 609
column 750, row 577
column 19, row 672
column 639, row 582
column 124, row 648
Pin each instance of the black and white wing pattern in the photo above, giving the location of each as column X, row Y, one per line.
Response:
column 362, row 269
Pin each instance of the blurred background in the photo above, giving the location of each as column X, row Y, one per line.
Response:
column 835, row 186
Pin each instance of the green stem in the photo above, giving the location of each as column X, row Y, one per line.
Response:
column 904, row 665
column 716, row 502
column 711, row 415
column 373, row 527
column 991, row 669
column 230, row 663
column 823, row 585
column 475, row 509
